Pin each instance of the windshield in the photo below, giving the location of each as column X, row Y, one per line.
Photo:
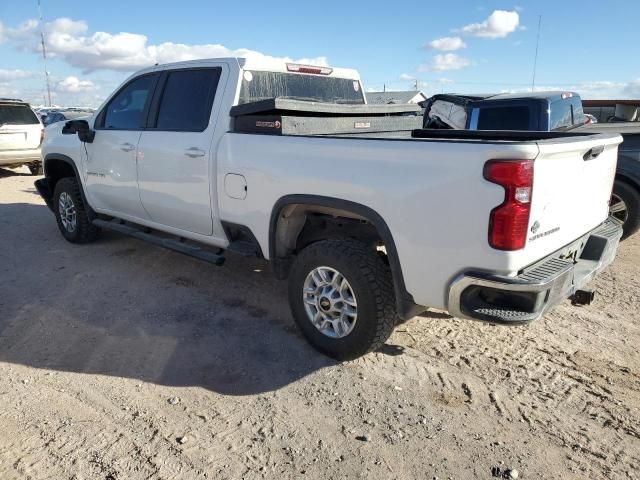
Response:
column 258, row 85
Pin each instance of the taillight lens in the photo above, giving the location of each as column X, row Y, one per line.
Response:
column 41, row 136
column 509, row 221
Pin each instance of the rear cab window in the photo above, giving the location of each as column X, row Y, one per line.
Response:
column 504, row 118
column 17, row 114
column 261, row 85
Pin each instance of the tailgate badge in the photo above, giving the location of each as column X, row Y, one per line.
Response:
column 535, row 227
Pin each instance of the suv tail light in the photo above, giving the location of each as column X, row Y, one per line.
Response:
column 509, row 221
column 41, row 136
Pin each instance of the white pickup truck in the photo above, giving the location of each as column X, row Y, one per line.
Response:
column 370, row 225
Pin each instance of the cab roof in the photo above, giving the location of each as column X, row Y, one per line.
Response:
column 253, row 62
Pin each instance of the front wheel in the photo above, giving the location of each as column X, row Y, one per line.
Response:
column 625, row 207
column 341, row 296
column 71, row 213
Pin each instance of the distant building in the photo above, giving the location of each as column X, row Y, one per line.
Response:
column 385, row 98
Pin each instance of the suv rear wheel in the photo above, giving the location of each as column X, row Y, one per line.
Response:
column 71, row 214
column 341, row 296
column 625, row 207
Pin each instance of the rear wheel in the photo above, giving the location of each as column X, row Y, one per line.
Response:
column 71, row 213
column 341, row 297
column 625, row 207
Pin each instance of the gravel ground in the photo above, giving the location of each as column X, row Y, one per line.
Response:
column 119, row 360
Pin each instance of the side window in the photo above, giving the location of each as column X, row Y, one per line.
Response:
column 187, row 98
column 566, row 113
column 125, row 110
column 578, row 112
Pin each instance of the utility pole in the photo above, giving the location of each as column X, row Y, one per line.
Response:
column 44, row 54
column 535, row 59
column 416, row 85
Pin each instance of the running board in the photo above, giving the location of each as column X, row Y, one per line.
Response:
column 168, row 243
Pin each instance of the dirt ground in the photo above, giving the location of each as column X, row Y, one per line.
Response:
column 119, row 360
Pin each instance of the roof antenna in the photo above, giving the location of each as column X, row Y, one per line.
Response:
column 44, row 54
column 535, row 59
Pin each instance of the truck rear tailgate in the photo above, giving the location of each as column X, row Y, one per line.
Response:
column 572, row 185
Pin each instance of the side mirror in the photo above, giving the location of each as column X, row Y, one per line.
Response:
column 81, row 127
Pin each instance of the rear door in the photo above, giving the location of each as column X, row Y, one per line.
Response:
column 20, row 128
column 111, row 170
column 176, row 174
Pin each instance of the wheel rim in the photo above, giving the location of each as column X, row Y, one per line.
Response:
column 618, row 208
column 67, row 211
column 330, row 302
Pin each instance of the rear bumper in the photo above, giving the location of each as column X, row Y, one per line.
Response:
column 527, row 296
column 19, row 157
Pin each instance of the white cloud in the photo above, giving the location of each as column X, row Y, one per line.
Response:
column 9, row 75
column 406, row 77
column 448, row 61
column 73, row 84
column 498, row 25
column 447, row 44
column 71, row 41
column 632, row 89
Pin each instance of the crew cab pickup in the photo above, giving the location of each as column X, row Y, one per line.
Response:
column 371, row 222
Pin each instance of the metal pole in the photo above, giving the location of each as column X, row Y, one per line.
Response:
column 44, row 54
column 535, row 59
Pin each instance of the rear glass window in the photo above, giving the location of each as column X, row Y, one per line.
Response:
column 17, row 115
column 504, row 118
column 187, row 99
column 565, row 113
column 314, row 88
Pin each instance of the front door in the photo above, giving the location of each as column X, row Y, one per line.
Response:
column 111, row 167
column 175, row 166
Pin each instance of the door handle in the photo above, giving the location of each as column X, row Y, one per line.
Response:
column 127, row 147
column 194, row 152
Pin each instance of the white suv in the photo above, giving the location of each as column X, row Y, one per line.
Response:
column 21, row 134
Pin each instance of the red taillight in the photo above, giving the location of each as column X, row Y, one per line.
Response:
column 509, row 221
column 296, row 67
column 41, row 136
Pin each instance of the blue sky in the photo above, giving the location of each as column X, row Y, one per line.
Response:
column 461, row 46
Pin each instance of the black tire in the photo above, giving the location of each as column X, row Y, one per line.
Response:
column 35, row 168
column 372, row 285
column 84, row 231
column 631, row 197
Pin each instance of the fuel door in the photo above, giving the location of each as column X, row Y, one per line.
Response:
column 235, row 186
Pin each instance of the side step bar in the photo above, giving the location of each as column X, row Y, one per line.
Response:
column 168, row 243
